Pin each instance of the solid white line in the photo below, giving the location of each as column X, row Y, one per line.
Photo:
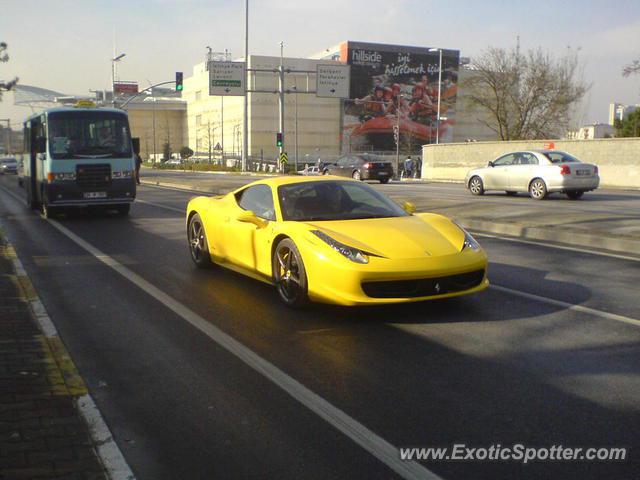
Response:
column 106, row 447
column 374, row 444
column 568, row 306
column 559, row 247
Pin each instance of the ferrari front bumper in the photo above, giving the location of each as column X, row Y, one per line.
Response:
column 384, row 281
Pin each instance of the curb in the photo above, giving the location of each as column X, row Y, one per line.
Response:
column 549, row 234
column 72, row 383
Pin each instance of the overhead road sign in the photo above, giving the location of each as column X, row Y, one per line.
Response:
column 332, row 81
column 227, row 78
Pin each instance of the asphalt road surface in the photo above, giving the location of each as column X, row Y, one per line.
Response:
column 547, row 356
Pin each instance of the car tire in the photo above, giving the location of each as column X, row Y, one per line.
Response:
column 356, row 175
column 476, row 187
column 289, row 274
column 384, row 180
column 575, row 194
column 538, row 189
column 124, row 209
column 511, row 194
column 198, row 245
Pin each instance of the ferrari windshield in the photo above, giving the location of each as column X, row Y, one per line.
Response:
column 93, row 134
column 334, row 200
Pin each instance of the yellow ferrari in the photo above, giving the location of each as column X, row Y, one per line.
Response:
column 334, row 240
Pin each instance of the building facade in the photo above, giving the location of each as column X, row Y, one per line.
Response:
column 214, row 123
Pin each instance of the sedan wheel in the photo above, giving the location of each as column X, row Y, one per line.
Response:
column 289, row 274
column 198, row 246
column 476, row 186
column 356, row 175
column 538, row 189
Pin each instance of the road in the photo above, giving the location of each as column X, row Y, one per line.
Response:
column 548, row 355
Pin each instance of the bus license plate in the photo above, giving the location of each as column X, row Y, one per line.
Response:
column 95, row 195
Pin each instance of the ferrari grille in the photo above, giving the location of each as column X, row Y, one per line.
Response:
column 423, row 287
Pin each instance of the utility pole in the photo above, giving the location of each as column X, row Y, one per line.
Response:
column 281, row 149
column 439, row 98
column 245, row 125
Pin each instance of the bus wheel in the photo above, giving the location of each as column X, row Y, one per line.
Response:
column 123, row 209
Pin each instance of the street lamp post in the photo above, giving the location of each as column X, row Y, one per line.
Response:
column 113, row 76
column 295, row 162
column 245, row 124
column 439, row 92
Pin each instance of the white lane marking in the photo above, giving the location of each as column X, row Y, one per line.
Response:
column 568, row 306
column 107, row 448
column 374, row 444
column 559, row 247
column 166, row 207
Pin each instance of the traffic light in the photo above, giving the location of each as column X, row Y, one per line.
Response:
column 179, row 86
column 279, row 140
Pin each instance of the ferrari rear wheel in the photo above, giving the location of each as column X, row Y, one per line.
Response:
column 198, row 246
column 289, row 274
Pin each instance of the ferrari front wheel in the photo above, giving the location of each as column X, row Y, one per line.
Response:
column 198, row 242
column 289, row 274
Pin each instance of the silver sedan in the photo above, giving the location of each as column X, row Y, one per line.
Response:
column 538, row 172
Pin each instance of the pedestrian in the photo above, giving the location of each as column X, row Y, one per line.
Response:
column 408, row 167
column 138, row 159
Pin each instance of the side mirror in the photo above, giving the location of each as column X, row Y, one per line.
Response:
column 491, row 164
column 409, row 207
column 249, row 217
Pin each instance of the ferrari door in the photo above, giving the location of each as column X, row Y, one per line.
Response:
column 247, row 244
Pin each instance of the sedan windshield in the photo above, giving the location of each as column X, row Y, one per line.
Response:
column 334, row 200
column 560, row 157
column 96, row 134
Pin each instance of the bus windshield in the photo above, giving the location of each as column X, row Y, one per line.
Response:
column 95, row 134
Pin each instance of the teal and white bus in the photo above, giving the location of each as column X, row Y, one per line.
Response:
column 79, row 156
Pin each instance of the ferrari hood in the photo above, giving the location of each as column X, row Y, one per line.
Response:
column 398, row 237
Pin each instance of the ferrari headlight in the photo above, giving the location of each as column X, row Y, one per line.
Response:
column 469, row 241
column 351, row 253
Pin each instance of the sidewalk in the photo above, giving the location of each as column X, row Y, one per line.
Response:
column 42, row 433
column 616, row 232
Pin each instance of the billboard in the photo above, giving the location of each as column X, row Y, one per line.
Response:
column 130, row 88
column 395, row 88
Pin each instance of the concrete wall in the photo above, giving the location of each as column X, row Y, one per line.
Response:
column 618, row 159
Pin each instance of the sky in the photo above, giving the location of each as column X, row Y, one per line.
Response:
column 66, row 45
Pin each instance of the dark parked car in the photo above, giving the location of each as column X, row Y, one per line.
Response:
column 8, row 165
column 361, row 167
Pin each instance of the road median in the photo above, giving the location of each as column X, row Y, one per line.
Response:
column 611, row 232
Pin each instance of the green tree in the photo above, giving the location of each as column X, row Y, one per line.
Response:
column 528, row 95
column 186, row 152
column 166, row 151
column 4, row 57
column 630, row 126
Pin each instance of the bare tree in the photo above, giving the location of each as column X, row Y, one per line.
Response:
column 525, row 96
column 4, row 57
column 630, row 69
